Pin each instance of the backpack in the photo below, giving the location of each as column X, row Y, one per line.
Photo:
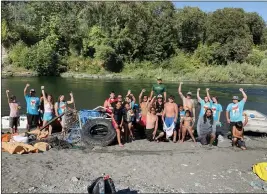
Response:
column 102, row 185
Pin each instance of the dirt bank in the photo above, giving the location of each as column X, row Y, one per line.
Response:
column 140, row 167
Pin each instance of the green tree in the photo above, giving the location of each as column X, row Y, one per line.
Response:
column 228, row 27
column 190, row 24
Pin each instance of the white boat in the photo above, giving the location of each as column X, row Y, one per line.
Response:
column 257, row 122
column 22, row 122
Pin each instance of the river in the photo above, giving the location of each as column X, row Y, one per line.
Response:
column 90, row 93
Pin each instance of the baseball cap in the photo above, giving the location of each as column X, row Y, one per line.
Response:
column 159, row 78
column 189, row 93
column 235, row 98
column 159, row 96
column 32, row 90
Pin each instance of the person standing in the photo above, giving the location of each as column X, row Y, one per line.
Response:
column 48, row 109
column 234, row 111
column 14, row 112
column 170, row 115
column 215, row 107
column 60, row 108
column 33, row 104
column 159, row 89
column 188, row 102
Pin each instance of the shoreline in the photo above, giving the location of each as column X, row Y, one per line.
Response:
column 110, row 76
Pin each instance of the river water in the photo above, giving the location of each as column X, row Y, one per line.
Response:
column 90, row 93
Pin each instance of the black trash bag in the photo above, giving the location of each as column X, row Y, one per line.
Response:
column 102, row 185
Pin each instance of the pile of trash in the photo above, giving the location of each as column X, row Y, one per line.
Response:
column 32, row 142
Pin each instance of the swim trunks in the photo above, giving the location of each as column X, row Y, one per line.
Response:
column 169, row 121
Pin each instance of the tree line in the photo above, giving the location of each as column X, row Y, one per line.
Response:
column 46, row 36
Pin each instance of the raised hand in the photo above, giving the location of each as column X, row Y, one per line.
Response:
column 7, row 91
column 27, row 85
column 198, row 89
column 241, row 89
column 42, row 87
column 207, row 89
column 71, row 94
column 143, row 90
column 181, row 83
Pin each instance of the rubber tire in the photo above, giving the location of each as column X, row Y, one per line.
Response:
column 90, row 140
column 108, row 184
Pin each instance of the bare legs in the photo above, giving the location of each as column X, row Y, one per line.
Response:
column 190, row 131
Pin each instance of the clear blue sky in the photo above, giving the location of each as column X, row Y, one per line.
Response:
column 259, row 7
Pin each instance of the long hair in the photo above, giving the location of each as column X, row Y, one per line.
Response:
column 205, row 116
column 58, row 100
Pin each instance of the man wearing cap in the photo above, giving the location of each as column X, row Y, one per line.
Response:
column 159, row 89
column 188, row 102
column 33, row 104
column 236, row 110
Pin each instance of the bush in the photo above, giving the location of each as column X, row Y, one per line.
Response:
column 19, row 55
column 44, row 59
column 110, row 60
column 256, row 57
column 83, row 64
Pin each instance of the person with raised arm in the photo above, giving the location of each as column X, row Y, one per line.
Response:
column 234, row 111
column 14, row 112
column 48, row 110
column 33, row 104
column 60, row 108
column 143, row 101
column 188, row 102
column 159, row 89
column 215, row 107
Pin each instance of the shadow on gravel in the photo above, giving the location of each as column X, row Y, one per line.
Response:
column 126, row 191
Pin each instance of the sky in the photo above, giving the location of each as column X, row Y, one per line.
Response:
column 259, row 7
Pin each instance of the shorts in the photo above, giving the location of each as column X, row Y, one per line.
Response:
column 143, row 121
column 169, row 121
column 205, row 139
column 13, row 122
column 115, row 123
column 149, row 134
column 240, row 143
column 48, row 116
column 32, row 120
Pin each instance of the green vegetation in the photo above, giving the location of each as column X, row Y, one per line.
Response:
column 140, row 39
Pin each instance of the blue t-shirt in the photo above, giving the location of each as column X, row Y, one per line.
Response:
column 236, row 111
column 61, row 107
column 216, row 109
column 204, row 106
column 33, row 104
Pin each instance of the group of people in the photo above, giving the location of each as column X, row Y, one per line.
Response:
column 163, row 119
column 40, row 110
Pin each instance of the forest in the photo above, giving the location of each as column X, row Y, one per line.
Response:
column 140, row 39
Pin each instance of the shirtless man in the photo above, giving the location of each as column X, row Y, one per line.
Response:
column 151, row 122
column 111, row 101
column 144, row 107
column 170, row 115
column 188, row 102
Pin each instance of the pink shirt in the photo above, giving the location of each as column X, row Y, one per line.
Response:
column 14, row 109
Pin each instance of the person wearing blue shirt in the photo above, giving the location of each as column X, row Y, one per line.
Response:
column 234, row 111
column 204, row 105
column 215, row 107
column 33, row 104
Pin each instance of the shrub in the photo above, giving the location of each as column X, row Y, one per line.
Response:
column 110, row 60
column 83, row 64
column 19, row 55
column 256, row 57
column 44, row 59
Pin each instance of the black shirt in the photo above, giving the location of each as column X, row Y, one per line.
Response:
column 118, row 113
column 159, row 107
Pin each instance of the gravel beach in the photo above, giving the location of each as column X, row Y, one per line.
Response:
column 139, row 167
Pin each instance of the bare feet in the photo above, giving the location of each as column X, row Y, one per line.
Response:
column 121, row 145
